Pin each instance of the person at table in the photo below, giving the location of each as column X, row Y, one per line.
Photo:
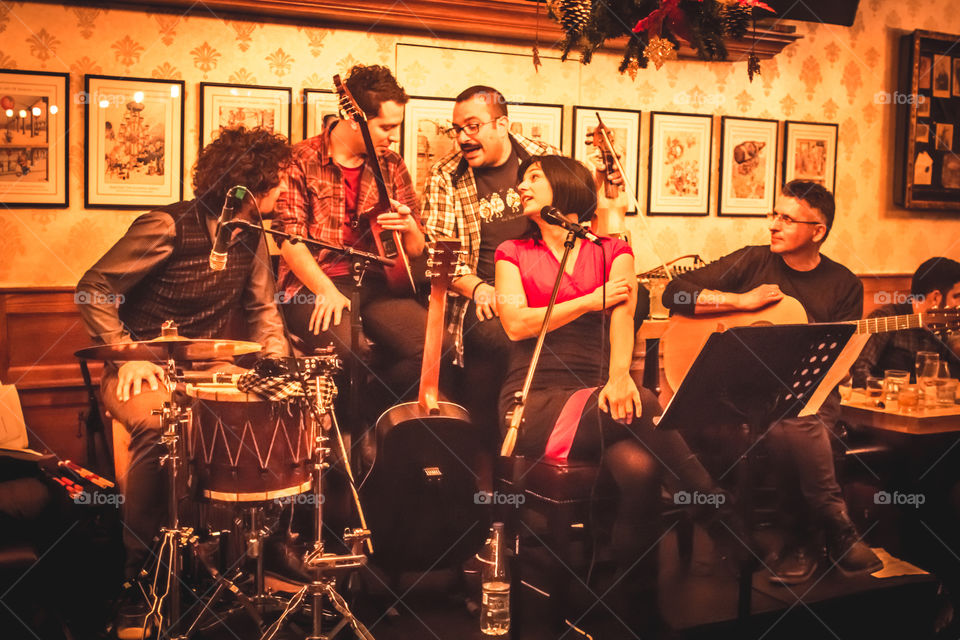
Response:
column 330, row 186
column 583, row 404
column 935, row 284
column 158, row 271
column 755, row 277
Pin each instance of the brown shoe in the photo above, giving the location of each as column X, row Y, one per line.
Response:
column 794, row 565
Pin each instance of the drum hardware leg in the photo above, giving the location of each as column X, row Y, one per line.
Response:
column 165, row 606
column 323, row 565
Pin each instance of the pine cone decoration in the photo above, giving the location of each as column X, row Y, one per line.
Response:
column 736, row 19
column 574, row 15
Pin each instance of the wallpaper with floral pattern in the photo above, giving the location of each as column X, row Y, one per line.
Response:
column 833, row 74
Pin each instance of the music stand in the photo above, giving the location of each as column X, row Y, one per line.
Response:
column 755, row 376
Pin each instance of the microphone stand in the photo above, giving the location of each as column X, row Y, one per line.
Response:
column 294, row 239
column 520, row 398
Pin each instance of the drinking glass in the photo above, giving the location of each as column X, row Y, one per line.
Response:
column 928, row 368
column 908, row 398
column 922, row 356
column 892, row 380
column 874, row 390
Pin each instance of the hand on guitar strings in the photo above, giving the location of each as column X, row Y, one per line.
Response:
column 621, row 399
column 398, row 219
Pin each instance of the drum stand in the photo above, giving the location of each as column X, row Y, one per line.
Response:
column 326, row 566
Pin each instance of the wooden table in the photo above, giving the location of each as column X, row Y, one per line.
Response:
column 926, row 421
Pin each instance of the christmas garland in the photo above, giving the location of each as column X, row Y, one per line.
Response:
column 654, row 28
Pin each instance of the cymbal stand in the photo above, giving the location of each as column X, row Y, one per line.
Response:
column 325, row 566
column 165, row 606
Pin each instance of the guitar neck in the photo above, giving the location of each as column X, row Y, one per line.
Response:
column 890, row 323
column 383, row 198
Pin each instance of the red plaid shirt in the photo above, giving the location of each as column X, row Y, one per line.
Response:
column 314, row 204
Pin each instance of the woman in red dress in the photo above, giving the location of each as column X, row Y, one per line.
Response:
column 583, row 403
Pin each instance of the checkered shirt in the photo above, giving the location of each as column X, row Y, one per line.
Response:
column 451, row 208
column 314, row 203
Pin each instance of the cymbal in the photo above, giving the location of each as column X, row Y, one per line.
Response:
column 163, row 349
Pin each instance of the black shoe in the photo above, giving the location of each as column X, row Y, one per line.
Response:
column 794, row 565
column 285, row 560
column 847, row 551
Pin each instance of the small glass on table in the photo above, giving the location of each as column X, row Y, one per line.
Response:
column 874, row 390
column 908, row 398
column 893, row 379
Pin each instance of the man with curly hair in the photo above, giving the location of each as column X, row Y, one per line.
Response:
column 330, row 187
column 159, row 271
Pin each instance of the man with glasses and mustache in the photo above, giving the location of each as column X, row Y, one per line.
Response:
column 471, row 194
column 757, row 276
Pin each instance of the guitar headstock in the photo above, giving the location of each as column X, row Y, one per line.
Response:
column 443, row 256
column 348, row 105
column 942, row 321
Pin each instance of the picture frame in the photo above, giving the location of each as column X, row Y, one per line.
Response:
column 748, row 167
column 944, row 136
column 319, row 105
column 925, row 72
column 955, row 91
column 423, row 137
column 810, row 153
column 147, row 170
column 681, row 152
column 942, row 80
column 250, row 106
column 537, row 121
column 624, row 124
column 926, row 173
column 34, row 139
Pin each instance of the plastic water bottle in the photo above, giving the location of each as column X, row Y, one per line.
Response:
column 495, row 602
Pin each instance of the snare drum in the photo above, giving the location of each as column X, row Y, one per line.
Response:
column 244, row 448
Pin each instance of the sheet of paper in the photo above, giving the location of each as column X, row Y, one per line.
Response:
column 13, row 429
column 893, row 567
column 839, row 370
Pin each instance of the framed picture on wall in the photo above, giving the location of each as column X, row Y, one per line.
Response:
column 926, row 171
column 34, row 121
column 320, row 109
column 748, row 167
column 423, row 137
column 942, row 79
column 540, row 122
column 624, row 126
column 810, row 153
column 226, row 106
column 134, row 142
column 678, row 181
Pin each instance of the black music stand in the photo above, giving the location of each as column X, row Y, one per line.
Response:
column 754, row 376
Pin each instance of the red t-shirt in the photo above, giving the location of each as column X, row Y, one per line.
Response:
column 351, row 235
column 538, row 268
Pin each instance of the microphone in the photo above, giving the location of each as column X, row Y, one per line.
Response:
column 551, row 215
column 218, row 255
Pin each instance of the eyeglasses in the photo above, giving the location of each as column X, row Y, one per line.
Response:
column 787, row 221
column 471, row 129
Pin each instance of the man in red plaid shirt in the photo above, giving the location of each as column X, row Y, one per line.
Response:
column 329, row 187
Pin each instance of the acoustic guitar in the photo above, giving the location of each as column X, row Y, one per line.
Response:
column 389, row 243
column 686, row 335
column 420, row 494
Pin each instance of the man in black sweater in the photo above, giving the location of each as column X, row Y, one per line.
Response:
column 755, row 277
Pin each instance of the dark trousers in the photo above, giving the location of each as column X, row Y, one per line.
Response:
column 145, row 498
column 802, row 456
column 485, row 351
column 396, row 325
